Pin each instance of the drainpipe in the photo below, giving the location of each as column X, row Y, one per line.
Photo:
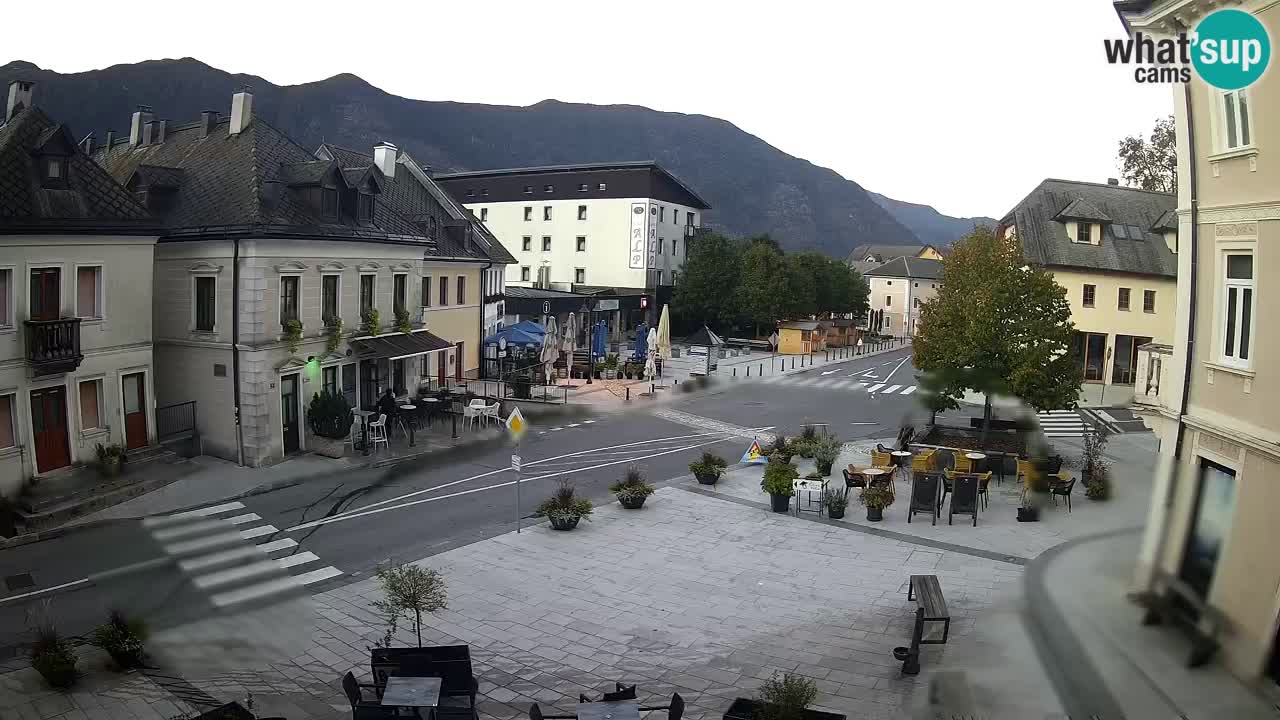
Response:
column 484, row 291
column 235, row 346
column 1193, row 193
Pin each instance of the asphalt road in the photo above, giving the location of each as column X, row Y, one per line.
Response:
column 354, row 520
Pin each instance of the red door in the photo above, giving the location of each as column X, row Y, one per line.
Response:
column 457, row 363
column 134, row 390
column 49, row 425
column 46, row 293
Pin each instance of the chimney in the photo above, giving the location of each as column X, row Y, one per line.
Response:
column 19, row 97
column 1113, row 181
column 140, row 117
column 111, row 139
column 384, row 156
column 162, row 129
column 149, row 132
column 241, row 110
column 87, row 144
column 208, row 121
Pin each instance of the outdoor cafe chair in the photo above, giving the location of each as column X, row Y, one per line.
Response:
column 1062, row 489
column 353, row 435
column 473, row 412
column 491, row 413
column 963, row 463
column 881, row 459
column 622, row 692
column 378, row 432
column 675, row 710
column 361, row 708
column 535, row 713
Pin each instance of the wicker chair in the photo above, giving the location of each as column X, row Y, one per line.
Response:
column 963, row 463
column 881, row 459
column 925, row 461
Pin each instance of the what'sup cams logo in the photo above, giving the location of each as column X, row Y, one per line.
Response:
column 1229, row 49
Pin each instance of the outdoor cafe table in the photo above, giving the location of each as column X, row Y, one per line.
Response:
column 433, row 406
column 412, row 692
column 978, row 459
column 617, row 710
column 872, row 474
column 900, row 460
column 412, row 410
column 364, row 427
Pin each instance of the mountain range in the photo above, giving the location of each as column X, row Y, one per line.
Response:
column 752, row 186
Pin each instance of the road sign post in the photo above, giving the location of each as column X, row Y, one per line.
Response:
column 516, row 427
column 515, row 465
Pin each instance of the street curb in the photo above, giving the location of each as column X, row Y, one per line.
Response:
column 1077, row 683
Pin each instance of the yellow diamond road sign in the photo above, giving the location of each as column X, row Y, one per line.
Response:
column 516, row 424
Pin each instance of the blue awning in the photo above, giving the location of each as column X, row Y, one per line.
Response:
column 522, row 333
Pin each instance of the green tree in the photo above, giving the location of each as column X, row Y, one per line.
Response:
column 805, row 274
column 842, row 290
column 409, row 591
column 998, row 325
column 1151, row 164
column 704, row 288
column 762, row 286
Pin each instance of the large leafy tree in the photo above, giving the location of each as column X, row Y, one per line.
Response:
column 997, row 325
column 1151, row 164
column 762, row 288
column 703, row 292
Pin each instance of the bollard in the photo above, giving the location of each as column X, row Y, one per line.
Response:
column 455, row 426
column 628, row 393
column 748, row 371
column 652, row 390
column 735, row 372
column 760, row 369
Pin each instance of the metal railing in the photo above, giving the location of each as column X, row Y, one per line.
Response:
column 53, row 346
column 176, row 421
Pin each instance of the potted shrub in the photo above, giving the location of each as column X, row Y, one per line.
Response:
column 876, row 498
column 781, row 450
column 402, row 321
column 777, row 481
column 1094, row 467
column 825, row 452
column 292, row 333
column 785, row 697
column 332, row 333
column 709, row 469
column 122, row 639
column 110, row 459
column 806, row 443
column 610, row 366
column 330, row 419
column 371, row 321
column 835, row 500
column 632, row 490
column 564, row 508
column 51, row 654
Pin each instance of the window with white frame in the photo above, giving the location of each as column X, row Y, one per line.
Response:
column 329, row 294
column 580, row 275
column 205, row 294
column 524, row 274
column 1237, row 308
column 329, row 376
column 582, row 212
column 6, row 297
column 89, row 291
column 8, row 412
column 1084, row 232
column 289, row 288
column 1236, row 130
column 91, row 405
column 546, row 212
column 580, row 244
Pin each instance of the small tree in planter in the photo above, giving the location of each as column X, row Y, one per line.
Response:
column 781, row 450
column 805, row 445
column 330, row 418
column 835, row 500
column 371, row 321
column 876, row 498
column 777, row 481
column 409, row 591
column 292, row 333
column 122, row 639
column 825, row 452
column 564, row 509
column 1094, row 467
column 51, row 654
column 709, row 469
column 110, row 459
column 333, row 334
column 632, row 490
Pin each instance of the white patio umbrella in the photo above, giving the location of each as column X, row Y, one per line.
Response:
column 664, row 333
column 650, row 366
column 550, row 348
column 569, row 339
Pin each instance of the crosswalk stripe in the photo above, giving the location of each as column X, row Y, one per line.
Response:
column 316, row 576
column 201, row 562
column 275, row 545
column 302, row 558
column 211, row 542
column 236, row 574
column 242, row 519
column 874, row 388
column 892, row 388
column 189, row 514
column 909, row 390
column 259, row 531
column 194, row 528
column 253, row 592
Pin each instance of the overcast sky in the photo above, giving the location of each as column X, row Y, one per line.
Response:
column 961, row 105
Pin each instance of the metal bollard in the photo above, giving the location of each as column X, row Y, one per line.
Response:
column 628, row 393
column 748, row 371
column 455, row 426
column 735, row 372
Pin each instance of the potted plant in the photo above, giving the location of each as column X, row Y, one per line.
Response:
column 785, row 697
column 610, row 366
column 1094, row 467
column 122, row 639
column 780, row 450
column 835, row 500
column 632, row 490
column 371, row 321
column 110, row 459
column 806, row 443
column 564, row 508
column 825, row 452
column 777, row 481
column 1028, row 511
column 402, row 321
column 876, row 498
column 330, row 419
column 709, row 469
column 51, row 654
column 333, row 333
column 409, row 590
column 292, row 333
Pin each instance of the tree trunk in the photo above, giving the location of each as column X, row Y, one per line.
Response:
column 986, row 419
column 417, row 625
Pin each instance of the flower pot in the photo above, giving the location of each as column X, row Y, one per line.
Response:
column 707, row 478
column 780, row 503
column 875, row 514
column 1028, row 514
column 835, row 514
column 57, row 670
column 109, row 468
column 824, row 469
column 126, row 659
column 610, row 374
column 561, row 522
column 631, row 502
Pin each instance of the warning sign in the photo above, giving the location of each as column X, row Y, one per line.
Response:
column 754, row 455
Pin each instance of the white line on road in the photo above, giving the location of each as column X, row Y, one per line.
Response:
column 899, row 366
column 892, row 389
column 828, row 372
column 874, row 388
column 909, row 390
column 41, row 591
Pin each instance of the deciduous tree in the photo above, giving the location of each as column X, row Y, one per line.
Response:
column 762, row 288
column 704, row 290
column 1151, row 164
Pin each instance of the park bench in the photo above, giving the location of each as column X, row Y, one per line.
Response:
column 1171, row 599
column 928, row 593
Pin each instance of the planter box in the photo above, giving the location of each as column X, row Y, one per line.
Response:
column 632, row 503
column 780, row 503
column 562, row 523
column 707, row 478
column 745, row 709
column 327, row 447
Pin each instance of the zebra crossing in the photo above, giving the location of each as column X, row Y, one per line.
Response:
column 825, row 383
column 1063, row 423
column 228, row 552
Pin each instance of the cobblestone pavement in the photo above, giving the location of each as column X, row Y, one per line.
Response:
column 691, row 594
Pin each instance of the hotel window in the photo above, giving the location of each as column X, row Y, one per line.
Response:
column 426, row 291
column 462, row 289
column 6, row 297
column 400, row 291
column 1148, row 301
column 444, row 291
column 329, row 298
column 8, row 438
column 546, row 243
column 484, row 214
column 1089, row 292
column 1235, row 115
column 288, row 298
column 580, row 244
column 582, row 212
column 526, row 243
column 364, row 208
column 662, row 243
column 688, row 219
column 528, row 189
column 524, row 274
column 329, row 380
column 662, row 214
column 1122, row 301
column 888, row 301
column 1237, row 303
column 601, row 186
column 89, row 292
column 546, row 212
column 582, row 187
column 205, row 291
column 528, row 213
column 580, row 275
column 366, row 293
column 675, row 243
column 90, row 404
column 548, row 188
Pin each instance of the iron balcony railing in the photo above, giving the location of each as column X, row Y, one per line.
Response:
column 53, row 346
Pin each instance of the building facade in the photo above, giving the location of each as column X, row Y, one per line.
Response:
column 866, row 258
column 76, row 251
column 282, row 272
column 899, row 288
column 1114, row 250
column 616, row 225
column 1214, row 407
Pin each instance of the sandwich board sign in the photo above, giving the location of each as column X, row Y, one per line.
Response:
column 754, row 455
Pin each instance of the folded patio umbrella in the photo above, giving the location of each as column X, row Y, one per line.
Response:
column 664, row 333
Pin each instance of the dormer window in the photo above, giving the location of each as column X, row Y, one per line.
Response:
column 54, row 172
column 364, row 208
column 1084, row 232
column 329, row 202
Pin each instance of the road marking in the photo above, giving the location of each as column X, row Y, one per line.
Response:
column 236, row 574
column 864, row 423
column 909, row 390
column 895, row 370
column 188, row 514
column 275, row 545
column 258, row 531
column 301, row 558
column 874, row 388
column 828, row 372
column 892, row 389
column 41, row 591
column 201, row 562
column 242, row 519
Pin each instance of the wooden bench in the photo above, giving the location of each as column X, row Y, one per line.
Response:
column 928, row 593
column 1173, row 600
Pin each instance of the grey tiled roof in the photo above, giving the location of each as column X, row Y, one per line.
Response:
column 800, row 325
column 909, row 267
column 310, row 172
column 91, row 200
column 1081, row 209
column 155, row 176
column 882, row 253
column 1045, row 241
column 1167, row 221
column 532, row 293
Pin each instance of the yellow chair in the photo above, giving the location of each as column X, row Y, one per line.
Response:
column 881, row 459
column 963, row 464
column 924, row 461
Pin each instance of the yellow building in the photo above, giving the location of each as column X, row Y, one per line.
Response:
column 801, row 337
column 1212, row 519
column 1114, row 250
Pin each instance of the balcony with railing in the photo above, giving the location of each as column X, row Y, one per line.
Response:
column 1151, row 390
column 53, row 346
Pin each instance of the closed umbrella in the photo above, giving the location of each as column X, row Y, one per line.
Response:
column 599, row 341
column 569, row 339
column 550, row 348
column 642, row 339
column 650, row 363
column 664, row 333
